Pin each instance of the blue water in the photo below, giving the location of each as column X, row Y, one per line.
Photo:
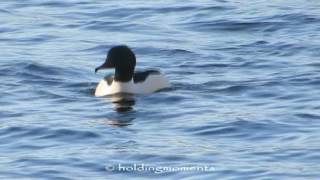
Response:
column 244, row 99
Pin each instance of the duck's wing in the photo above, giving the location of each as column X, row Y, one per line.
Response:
column 141, row 76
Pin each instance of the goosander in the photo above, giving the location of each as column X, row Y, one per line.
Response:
column 125, row 79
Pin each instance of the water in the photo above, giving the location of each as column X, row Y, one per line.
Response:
column 244, row 99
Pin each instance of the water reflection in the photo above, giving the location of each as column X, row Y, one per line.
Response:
column 123, row 104
column 120, row 122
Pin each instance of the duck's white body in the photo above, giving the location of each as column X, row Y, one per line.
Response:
column 152, row 83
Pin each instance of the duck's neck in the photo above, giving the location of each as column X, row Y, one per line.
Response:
column 123, row 75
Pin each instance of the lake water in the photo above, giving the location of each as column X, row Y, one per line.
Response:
column 244, row 102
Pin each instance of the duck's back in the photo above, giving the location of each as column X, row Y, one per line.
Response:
column 141, row 76
column 149, row 81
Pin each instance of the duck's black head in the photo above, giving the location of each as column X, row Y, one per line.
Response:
column 123, row 60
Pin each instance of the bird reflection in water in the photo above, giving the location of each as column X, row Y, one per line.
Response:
column 123, row 104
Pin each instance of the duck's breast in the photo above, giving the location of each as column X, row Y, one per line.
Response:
column 104, row 88
column 142, row 83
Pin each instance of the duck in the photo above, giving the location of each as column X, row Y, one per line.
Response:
column 126, row 79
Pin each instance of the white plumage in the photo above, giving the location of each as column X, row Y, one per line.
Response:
column 153, row 83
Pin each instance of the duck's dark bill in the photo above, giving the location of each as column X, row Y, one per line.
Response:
column 106, row 65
